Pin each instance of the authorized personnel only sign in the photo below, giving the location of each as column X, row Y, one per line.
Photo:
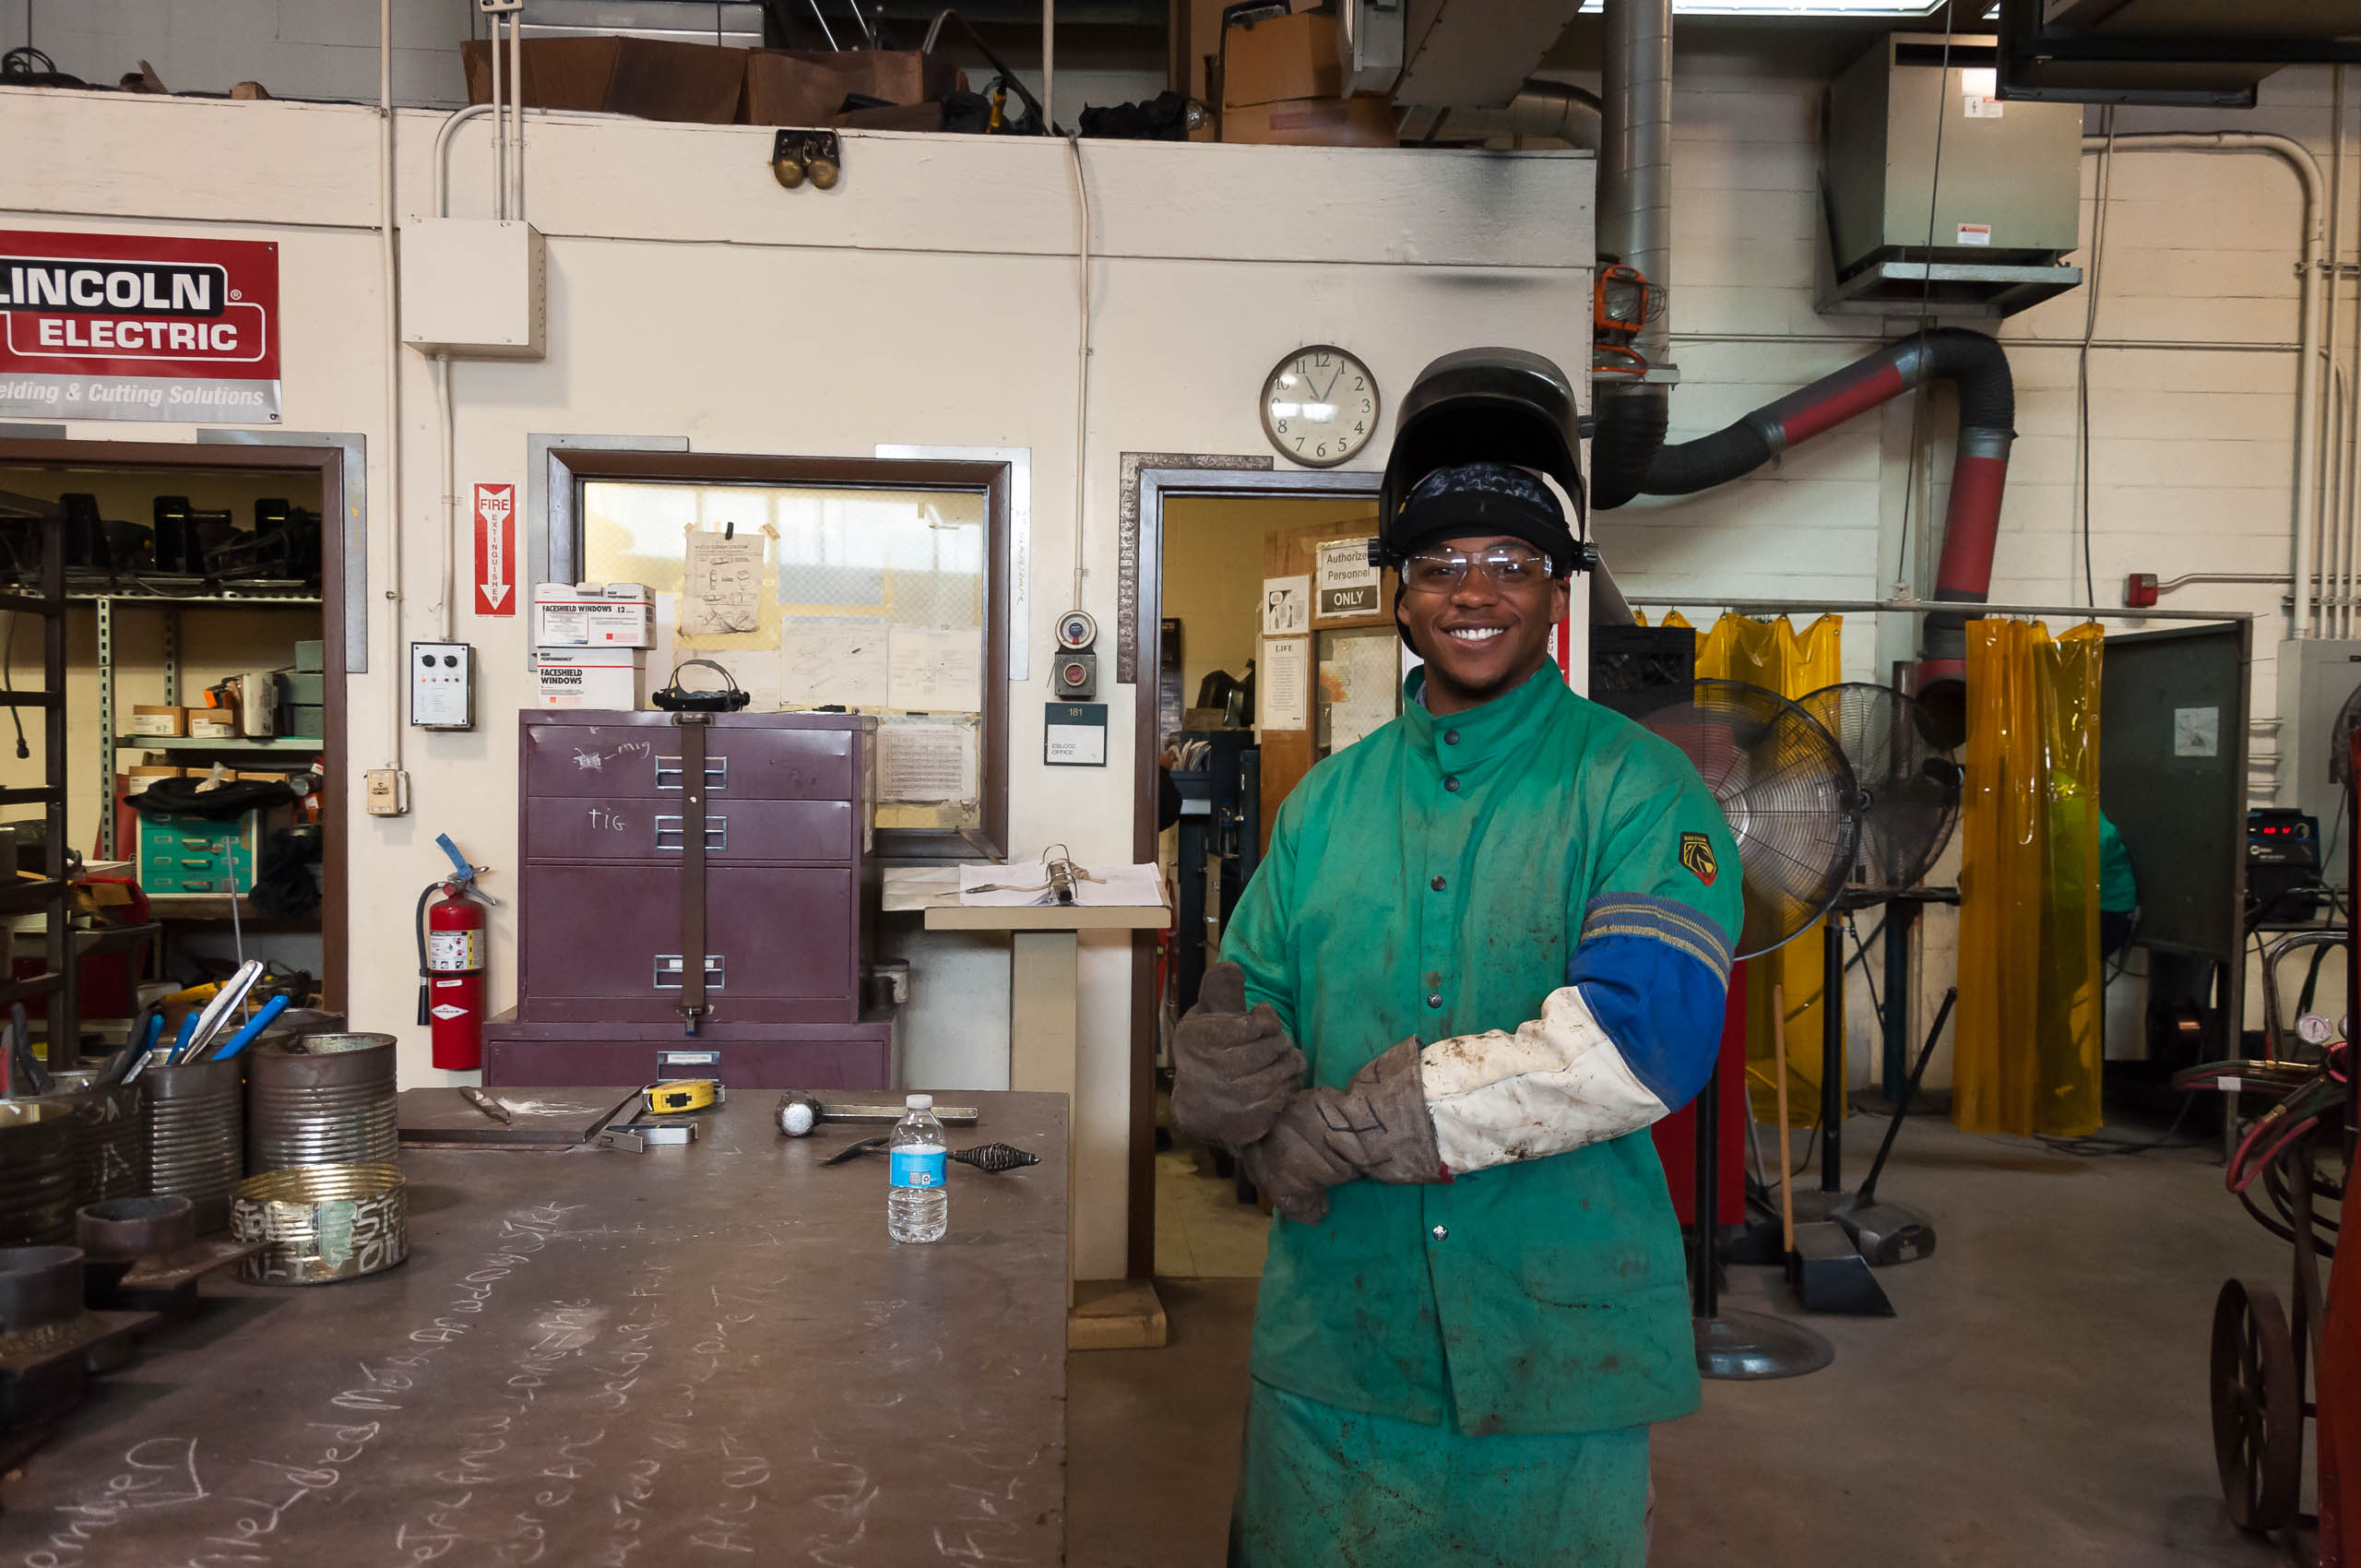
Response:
column 138, row 326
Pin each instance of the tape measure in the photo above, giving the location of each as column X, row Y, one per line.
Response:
column 681, row 1094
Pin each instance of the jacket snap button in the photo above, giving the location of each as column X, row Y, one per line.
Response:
column 1434, row 999
column 1441, row 1232
column 1436, row 885
column 1451, row 737
column 1452, row 783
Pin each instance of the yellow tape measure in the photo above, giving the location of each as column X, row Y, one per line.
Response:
column 679, row 1093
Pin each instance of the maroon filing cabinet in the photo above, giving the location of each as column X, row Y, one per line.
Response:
column 620, row 892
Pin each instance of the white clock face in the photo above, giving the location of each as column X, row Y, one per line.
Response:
column 1320, row 406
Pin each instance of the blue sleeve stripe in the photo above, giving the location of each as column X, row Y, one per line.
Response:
column 1660, row 1005
column 1634, row 914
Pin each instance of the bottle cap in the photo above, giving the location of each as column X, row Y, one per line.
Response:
column 920, row 1102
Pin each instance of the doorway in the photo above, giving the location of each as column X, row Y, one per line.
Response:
column 1266, row 643
column 195, row 575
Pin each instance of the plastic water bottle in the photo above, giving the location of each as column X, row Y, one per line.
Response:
column 917, row 1208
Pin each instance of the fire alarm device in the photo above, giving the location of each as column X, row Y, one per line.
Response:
column 442, row 686
column 1076, row 630
column 1077, row 675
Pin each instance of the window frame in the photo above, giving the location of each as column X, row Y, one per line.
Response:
column 572, row 468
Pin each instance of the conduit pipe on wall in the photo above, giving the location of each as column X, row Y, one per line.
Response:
column 1635, row 228
column 391, row 452
column 2312, row 581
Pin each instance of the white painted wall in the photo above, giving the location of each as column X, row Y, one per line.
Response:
column 931, row 298
column 296, row 48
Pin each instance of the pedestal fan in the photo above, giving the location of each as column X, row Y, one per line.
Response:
column 1789, row 797
column 1909, row 806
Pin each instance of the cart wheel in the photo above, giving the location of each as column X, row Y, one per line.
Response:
column 2258, row 1408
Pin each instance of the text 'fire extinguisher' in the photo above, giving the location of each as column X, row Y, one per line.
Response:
column 453, row 947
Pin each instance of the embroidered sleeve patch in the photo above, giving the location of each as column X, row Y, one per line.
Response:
column 1697, row 854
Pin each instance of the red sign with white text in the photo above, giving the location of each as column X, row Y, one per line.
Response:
column 138, row 326
column 495, row 550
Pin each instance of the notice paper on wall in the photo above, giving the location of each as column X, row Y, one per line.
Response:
column 721, row 584
column 925, row 761
column 1286, row 605
column 838, row 661
column 934, row 671
column 1283, row 684
column 1358, row 685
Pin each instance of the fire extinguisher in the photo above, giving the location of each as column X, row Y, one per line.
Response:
column 453, row 946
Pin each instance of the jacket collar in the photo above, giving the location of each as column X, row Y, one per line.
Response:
column 1459, row 740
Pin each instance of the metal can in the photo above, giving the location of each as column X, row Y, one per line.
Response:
column 197, row 1131
column 36, row 1172
column 322, row 1223
column 110, row 1135
column 321, row 1099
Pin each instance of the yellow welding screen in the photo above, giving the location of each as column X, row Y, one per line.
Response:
column 2027, row 1042
column 1774, row 655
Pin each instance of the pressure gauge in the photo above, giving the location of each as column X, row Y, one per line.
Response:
column 1076, row 630
column 2313, row 1030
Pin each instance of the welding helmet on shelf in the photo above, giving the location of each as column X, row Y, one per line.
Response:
column 1484, row 406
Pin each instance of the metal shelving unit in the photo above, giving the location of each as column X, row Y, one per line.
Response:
column 49, row 892
column 172, row 595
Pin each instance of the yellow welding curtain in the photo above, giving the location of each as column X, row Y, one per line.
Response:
column 2027, row 1045
column 1774, row 655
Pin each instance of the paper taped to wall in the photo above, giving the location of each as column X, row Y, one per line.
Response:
column 1283, row 684
column 844, row 661
column 934, row 671
column 925, row 763
column 721, row 584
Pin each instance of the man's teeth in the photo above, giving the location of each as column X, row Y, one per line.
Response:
column 1475, row 633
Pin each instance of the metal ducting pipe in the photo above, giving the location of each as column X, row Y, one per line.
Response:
column 1979, row 367
column 1635, row 228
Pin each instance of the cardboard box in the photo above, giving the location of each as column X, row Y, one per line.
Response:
column 589, row 615
column 134, row 779
column 150, row 718
column 1318, row 122
column 653, row 78
column 787, row 87
column 1286, row 58
column 213, row 723
column 305, row 722
column 311, row 656
column 892, row 117
column 592, row 677
column 308, row 686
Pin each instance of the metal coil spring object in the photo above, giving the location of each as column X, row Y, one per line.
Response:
column 322, row 1223
column 110, row 1136
column 321, row 1099
column 36, row 1172
column 1063, row 873
column 196, row 1135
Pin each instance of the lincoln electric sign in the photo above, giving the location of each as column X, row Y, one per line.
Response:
column 138, row 326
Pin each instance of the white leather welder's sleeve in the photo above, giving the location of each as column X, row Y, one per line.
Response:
column 1557, row 1084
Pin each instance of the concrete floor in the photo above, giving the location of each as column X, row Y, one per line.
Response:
column 2040, row 1399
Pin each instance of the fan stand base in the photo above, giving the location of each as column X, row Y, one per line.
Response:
column 1755, row 1346
column 1886, row 1233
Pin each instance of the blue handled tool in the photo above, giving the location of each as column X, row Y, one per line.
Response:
column 253, row 1026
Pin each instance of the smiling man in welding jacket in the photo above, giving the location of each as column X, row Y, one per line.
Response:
column 1498, row 931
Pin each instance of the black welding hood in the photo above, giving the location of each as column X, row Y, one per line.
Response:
column 1483, row 406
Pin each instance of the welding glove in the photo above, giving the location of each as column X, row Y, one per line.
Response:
column 1232, row 1069
column 1376, row 1126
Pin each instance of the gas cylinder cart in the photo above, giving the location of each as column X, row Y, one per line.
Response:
column 2270, row 1370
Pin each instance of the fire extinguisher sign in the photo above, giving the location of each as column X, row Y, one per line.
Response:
column 496, row 549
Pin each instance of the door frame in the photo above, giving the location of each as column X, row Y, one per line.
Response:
column 337, row 505
column 1156, row 485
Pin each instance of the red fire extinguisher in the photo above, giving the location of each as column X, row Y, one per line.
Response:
column 453, row 944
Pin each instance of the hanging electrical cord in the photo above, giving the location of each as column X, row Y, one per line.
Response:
column 2083, row 355
column 8, row 683
column 1082, row 365
column 1926, row 306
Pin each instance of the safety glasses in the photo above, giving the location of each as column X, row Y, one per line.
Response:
column 1508, row 565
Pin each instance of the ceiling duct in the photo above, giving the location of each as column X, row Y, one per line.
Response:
column 1476, row 54
column 2208, row 53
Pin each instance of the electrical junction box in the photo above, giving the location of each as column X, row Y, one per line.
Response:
column 442, row 686
column 475, row 288
column 2317, row 677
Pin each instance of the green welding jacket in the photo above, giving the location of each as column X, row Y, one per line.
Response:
column 1444, row 877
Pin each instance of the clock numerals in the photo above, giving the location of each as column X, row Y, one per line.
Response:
column 1330, row 403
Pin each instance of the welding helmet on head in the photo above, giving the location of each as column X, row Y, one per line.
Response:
column 1477, row 406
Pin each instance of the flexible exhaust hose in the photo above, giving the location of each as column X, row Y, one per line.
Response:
column 1976, row 364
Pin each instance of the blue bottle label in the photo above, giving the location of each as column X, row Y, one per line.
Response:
column 918, row 1165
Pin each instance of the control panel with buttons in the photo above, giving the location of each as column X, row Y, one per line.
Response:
column 442, row 686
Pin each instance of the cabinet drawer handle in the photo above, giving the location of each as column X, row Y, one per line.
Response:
column 667, row 773
column 668, row 966
column 672, row 834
